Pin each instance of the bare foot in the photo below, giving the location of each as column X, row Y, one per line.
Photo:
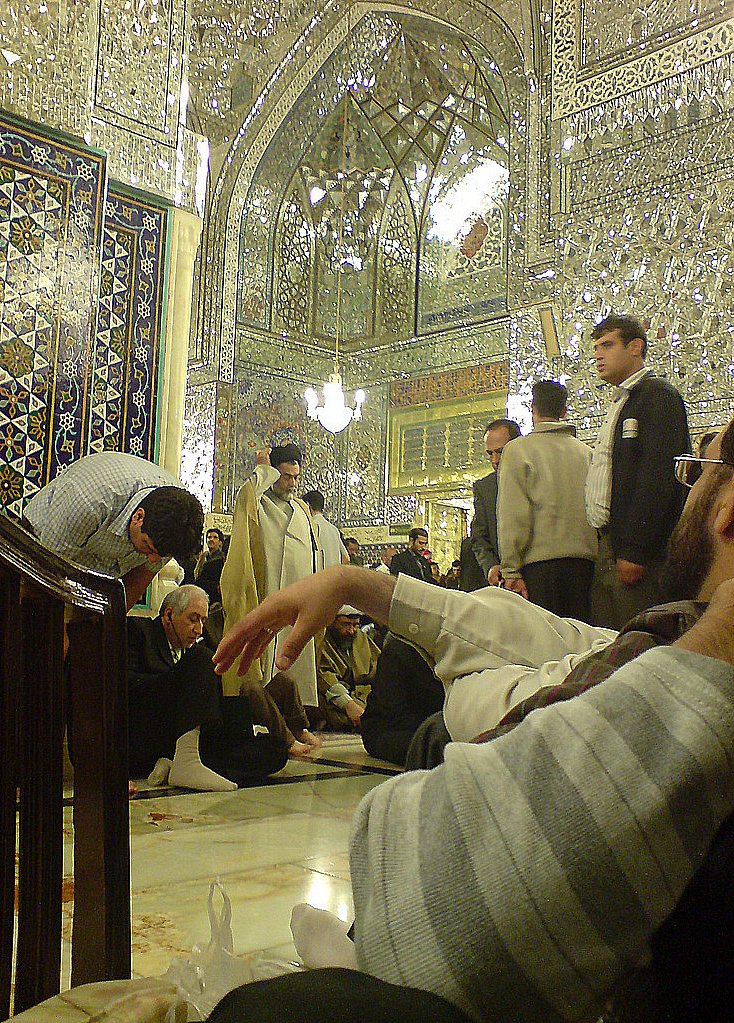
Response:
column 310, row 739
column 132, row 789
column 299, row 749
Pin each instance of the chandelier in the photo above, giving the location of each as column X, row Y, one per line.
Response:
column 334, row 414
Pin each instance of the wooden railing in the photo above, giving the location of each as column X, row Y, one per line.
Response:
column 40, row 692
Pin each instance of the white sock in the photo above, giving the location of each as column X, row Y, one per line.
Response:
column 159, row 774
column 188, row 772
column 321, row 938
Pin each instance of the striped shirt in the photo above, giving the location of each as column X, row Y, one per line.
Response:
column 599, row 479
column 84, row 514
column 523, row 878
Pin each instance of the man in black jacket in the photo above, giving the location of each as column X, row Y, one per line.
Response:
column 177, row 719
column 411, row 560
column 484, row 541
column 632, row 496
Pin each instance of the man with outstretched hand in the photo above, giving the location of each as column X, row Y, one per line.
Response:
column 525, row 877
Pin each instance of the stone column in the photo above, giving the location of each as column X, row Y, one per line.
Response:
column 184, row 241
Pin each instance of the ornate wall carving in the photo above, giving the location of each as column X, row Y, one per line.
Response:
column 199, row 429
column 643, row 158
column 114, row 73
column 51, row 214
column 577, row 87
column 129, row 326
column 293, row 287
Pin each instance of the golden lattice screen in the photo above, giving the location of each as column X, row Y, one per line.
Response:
column 437, row 427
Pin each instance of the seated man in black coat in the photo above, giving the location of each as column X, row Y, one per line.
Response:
column 404, row 693
column 176, row 710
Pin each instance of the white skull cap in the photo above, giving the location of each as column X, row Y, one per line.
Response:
column 347, row 609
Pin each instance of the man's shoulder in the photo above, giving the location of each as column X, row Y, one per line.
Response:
column 119, row 464
column 328, row 527
column 403, row 558
column 142, row 626
column 652, row 387
column 486, row 484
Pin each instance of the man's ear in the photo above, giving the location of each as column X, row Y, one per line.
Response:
column 724, row 511
column 636, row 345
column 137, row 517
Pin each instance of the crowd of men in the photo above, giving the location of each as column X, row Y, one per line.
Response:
column 587, row 687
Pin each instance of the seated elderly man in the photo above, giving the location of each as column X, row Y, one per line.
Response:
column 177, row 718
column 528, row 877
column 345, row 658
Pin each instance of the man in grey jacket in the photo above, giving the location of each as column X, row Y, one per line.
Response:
column 547, row 547
column 524, row 878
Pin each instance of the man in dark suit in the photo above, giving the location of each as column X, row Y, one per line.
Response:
column 484, row 527
column 411, row 560
column 177, row 718
column 632, row 496
column 209, row 566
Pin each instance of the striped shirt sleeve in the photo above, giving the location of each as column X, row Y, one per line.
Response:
column 523, row 878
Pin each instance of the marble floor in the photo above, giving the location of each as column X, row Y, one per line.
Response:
column 271, row 845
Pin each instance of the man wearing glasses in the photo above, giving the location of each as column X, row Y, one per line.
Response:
column 632, row 497
column 531, row 872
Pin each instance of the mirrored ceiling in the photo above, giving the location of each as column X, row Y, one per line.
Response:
column 379, row 211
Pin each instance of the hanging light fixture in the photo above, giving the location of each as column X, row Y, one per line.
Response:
column 335, row 415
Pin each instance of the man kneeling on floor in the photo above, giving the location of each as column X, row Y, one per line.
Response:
column 346, row 658
column 176, row 710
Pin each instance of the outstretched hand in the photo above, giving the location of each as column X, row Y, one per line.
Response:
column 309, row 606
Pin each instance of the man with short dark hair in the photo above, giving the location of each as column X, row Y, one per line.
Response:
column 632, row 497
column 330, row 539
column 353, row 550
column 208, row 570
column 120, row 515
column 273, row 544
column 411, row 560
column 453, row 576
column 484, row 541
column 548, row 548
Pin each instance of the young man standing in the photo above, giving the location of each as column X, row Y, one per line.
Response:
column 632, row 496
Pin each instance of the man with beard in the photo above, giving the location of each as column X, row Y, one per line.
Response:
column 345, row 658
column 529, row 877
column 274, row 543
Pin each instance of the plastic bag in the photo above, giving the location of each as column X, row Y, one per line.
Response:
column 209, row 974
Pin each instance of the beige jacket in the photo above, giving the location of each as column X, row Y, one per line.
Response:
column 540, row 506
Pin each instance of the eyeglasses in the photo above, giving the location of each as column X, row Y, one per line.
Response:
column 684, row 463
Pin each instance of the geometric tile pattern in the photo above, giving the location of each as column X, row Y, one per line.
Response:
column 50, row 225
column 129, row 326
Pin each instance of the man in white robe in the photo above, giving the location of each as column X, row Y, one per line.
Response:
column 273, row 544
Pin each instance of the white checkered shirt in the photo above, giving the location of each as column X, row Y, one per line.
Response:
column 598, row 494
column 84, row 513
